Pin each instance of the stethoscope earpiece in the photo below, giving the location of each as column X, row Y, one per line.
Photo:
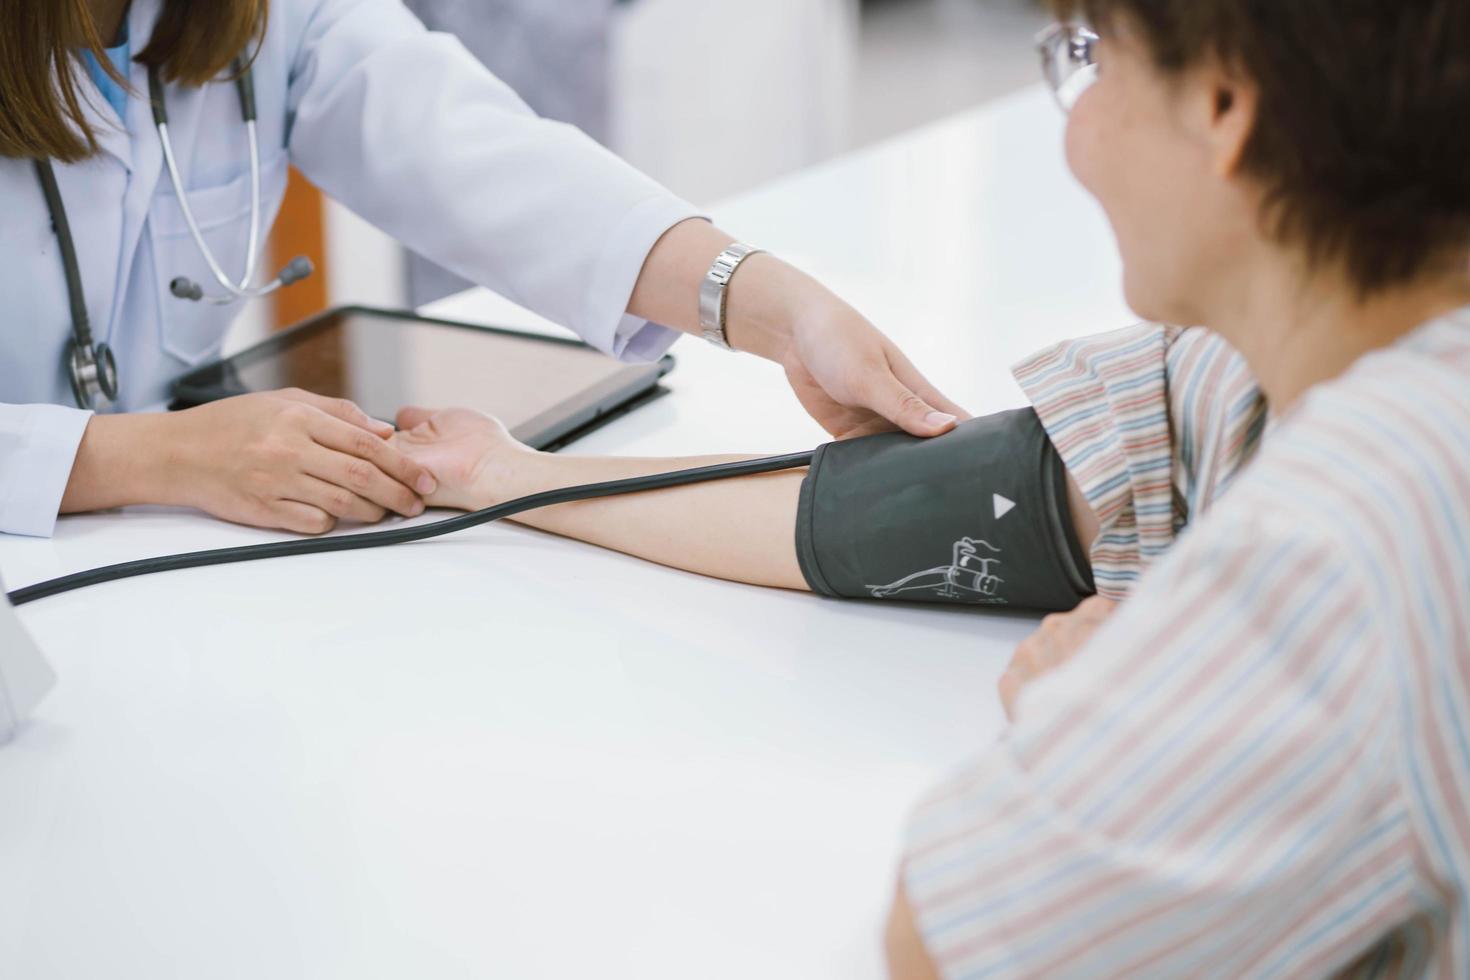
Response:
column 185, row 288
column 296, row 270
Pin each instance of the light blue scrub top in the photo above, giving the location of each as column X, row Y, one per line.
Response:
column 115, row 94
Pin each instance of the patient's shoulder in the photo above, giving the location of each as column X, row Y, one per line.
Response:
column 1378, row 462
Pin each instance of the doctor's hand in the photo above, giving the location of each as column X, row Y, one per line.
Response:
column 851, row 378
column 1060, row 637
column 292, row 460
column 855, row 382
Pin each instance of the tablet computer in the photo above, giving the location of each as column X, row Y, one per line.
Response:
column 547, row 390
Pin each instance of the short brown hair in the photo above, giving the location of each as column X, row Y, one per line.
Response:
column 40, row 107
column 1361, row 137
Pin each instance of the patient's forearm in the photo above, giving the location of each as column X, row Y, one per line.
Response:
column 743, row 529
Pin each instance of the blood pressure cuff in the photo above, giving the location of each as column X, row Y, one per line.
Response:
column 975, row 517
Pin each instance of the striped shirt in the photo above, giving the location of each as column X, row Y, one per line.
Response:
column 1153, row 423
column 1260, row 766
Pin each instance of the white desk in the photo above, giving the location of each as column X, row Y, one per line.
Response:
column 509, row 755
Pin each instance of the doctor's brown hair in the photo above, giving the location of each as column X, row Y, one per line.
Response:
column 41, row 107
column 1361, row 139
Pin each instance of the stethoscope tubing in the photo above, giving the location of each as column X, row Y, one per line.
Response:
column 81, row 323
column 234, row 291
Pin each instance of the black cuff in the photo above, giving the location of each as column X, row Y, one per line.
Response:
column 975, row 517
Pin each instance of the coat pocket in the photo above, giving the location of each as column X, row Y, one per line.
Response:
column 194, row 331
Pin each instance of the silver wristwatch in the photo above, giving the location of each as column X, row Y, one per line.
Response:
column 714, row 288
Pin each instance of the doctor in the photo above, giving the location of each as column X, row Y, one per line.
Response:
column 112, row 281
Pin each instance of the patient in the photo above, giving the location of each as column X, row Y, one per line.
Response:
column 1258, row 765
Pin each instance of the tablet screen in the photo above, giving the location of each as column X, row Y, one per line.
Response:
column 385, row 361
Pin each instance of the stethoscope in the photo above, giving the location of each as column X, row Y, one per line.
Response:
column 90, row 365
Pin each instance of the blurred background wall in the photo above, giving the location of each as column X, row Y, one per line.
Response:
column 709, row 97
column 555, row 53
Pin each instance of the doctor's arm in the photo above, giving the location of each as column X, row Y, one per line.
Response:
column 458, row 168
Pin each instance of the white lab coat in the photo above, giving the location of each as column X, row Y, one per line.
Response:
column 400, row 124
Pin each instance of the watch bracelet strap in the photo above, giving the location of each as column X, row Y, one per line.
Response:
column 715, row 288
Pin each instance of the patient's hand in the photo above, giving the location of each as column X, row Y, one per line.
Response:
column 475, row 459
column 1056, row 642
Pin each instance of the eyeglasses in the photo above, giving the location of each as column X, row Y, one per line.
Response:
column 1068, row 60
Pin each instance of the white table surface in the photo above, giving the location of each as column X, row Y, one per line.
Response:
column 510, row 755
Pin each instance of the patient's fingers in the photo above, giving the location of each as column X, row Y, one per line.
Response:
column 1012, row 682
column 1022, row 668
column 1058, row 639
column 412, row 416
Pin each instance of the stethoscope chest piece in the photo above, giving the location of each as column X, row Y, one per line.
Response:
column 93, row 372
